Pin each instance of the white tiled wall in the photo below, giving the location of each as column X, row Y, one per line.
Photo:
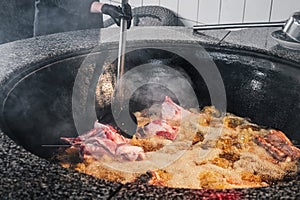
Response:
column 209, row 11
column 282, row 9
column 188, row 9
column 254, row 13
column 136, row 3
column 224, row 11
column 231, row 11
column 150, row 2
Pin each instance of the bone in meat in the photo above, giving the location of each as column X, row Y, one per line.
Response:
column 105, row 140
column 160, row 128
column 172, row 111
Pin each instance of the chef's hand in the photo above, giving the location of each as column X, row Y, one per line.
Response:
column 116, row 13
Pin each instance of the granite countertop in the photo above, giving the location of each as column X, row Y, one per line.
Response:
column 26, row 176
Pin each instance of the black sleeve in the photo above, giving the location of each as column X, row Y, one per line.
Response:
column 74, row 6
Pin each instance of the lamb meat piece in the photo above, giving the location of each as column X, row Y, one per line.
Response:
column 129, row 152
column 105, row 140
column 93, row 145
column 99, row 131
column 279, row 146
column 111, row 133
column 105, row 147
column 160, row 128
column 172, row 111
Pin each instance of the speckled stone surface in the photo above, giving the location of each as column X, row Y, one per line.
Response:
column 26, row 176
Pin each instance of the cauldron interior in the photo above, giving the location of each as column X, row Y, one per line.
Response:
column 37, row 110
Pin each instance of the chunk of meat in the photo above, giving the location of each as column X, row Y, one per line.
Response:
column 99, row 131
column 111, row 133
column 160, row 128
column 105, row 140
column 279, row 146
column 172, row 111
column 129, row 152
column 98, row 148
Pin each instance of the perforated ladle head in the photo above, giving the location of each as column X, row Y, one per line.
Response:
column 292, row 27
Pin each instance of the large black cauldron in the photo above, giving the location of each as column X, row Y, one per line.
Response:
column 37, row 106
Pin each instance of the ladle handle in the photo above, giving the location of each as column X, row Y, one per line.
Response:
column 122, row 45
column 238, row 25
column 121, row 55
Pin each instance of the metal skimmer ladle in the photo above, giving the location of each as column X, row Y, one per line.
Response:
column 291, row 27
column 123, row 121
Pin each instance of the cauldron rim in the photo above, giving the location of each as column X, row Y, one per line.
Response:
column 217, row 47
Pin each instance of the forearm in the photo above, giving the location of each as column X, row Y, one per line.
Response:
column 96, row 7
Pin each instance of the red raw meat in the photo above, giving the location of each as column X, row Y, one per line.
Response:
column 160, row 128
column 104, row 139
column 172, row 111
column 129, row 152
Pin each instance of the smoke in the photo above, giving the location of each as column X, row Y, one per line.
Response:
column 38, row 110
column 158, row 81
